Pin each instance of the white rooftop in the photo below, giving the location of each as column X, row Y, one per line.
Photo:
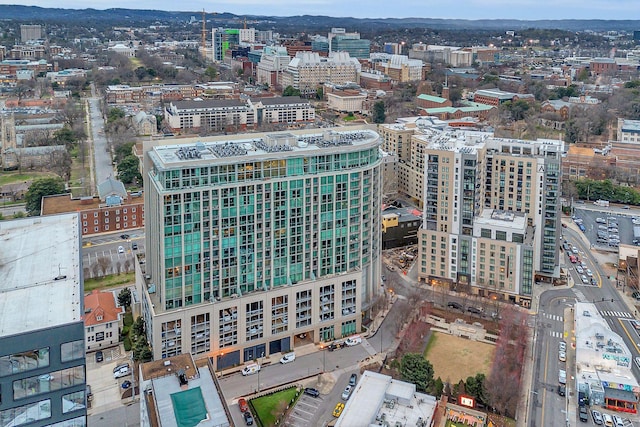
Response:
column 378, row 398
column 165, row 386
column 39, row 270
column 512, row 220
column 275, row 145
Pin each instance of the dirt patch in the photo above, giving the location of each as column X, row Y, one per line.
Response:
column 454, row 358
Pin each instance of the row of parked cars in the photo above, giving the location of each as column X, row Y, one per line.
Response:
column 608, row 232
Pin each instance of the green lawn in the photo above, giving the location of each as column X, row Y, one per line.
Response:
column 109, row 281
column 11, row 177
column 268, row 408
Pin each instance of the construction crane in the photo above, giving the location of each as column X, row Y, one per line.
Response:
column 204, row 35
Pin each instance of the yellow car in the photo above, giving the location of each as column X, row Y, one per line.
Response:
column 338, row 409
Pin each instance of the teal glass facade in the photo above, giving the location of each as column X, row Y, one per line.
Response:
column 252, row 223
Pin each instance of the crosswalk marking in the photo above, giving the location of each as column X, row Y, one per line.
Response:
column 622, row 314
column 555, row 334
column 555, row 317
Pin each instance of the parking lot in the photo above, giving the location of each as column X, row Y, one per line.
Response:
column 610, row 226
column 107, row 391
column 304, row 411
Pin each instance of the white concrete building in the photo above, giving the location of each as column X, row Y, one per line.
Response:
column 378, row 399
column 308, row 71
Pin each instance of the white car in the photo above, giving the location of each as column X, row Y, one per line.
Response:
column 589, row 272
column 562, row 356
column 562, row 346
column 120, row 249
column 579, row 269
column 574, row 250
column 122, row 372
column 585, row 279
column 289, row 357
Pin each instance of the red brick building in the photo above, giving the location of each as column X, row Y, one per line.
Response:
column 113, row 210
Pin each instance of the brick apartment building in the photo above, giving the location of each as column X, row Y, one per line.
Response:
column 113, row 210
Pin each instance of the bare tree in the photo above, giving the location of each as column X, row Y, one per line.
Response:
column 127, row 265
column 60, row 163
column 118, row 267
column 104, row 263
column 95, row 269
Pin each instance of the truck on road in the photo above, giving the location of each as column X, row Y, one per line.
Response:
column 602, row 203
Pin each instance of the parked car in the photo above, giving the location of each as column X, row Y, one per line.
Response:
column 134, row 246
column 562, row 356
column 562, row 390
column 242, row 404
column 99, row 356
column 636, row 295
column 562, row 346
column 584, row 416
column 617, row 421
column 120, row 366
column 453, row 304
column 126, row 384
column 120, row 249
column 597, row 417
column 346, row 394
column 474, row 310
column 124, row 236
column 289, row 357
column 353, row 379
column 353, row 340
column 121, row 373
column 338, row 409
column 248, row 419
column 311, row 392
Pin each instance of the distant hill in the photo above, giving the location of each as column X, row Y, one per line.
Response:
column 311, row 23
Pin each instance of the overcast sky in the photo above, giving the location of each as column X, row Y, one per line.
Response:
column 462, row 9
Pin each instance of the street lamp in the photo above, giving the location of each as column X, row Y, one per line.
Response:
column 260, row 367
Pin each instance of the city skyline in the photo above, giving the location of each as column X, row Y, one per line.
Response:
column 465, row 9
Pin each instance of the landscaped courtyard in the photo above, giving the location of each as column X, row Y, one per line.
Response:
column 454, row 358
column 270, row 408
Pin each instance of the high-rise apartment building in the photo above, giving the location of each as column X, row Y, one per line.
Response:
column 42, row 351
column 341, row 41
column 224, row 39
column 308, row 71
column 491, row 212
column 259, row 242
column 30, row 32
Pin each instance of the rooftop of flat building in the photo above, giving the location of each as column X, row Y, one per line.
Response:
column 630, row 125
column 225, row 149
column 378, row 398
column 185, row 396
column 40, row 269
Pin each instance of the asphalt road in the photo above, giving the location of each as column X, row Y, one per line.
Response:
column 102, row 156
column 545, row 403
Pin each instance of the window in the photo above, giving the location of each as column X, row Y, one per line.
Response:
column 73, row 401
column 72, row 350
column 46, row 383
column 23, row 362
column 26, row 414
